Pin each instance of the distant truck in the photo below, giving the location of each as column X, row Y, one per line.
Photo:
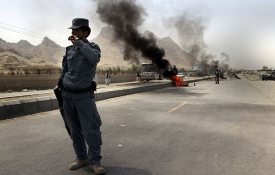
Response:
column 150, row 72
column 270, row 76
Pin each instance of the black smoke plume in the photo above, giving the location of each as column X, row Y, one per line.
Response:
column 227, row 58
column 224, row 65
column 125, row 16
column 190, row 28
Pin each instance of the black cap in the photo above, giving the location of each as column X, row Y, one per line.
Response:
column 79, row 22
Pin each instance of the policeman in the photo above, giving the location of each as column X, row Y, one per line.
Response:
column 81, row 115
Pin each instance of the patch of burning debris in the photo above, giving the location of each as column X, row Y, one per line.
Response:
column 172, row 74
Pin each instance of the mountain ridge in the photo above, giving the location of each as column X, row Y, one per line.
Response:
column 112, row 50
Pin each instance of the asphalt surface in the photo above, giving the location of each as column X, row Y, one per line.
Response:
column 206, row 129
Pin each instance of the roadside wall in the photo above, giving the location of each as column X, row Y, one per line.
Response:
column 41, row 82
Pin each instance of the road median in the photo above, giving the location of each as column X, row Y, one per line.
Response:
column 20, row 107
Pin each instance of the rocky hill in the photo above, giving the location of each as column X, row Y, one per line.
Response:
column 175, row 54
column 47, row 50
column 112, row 51
column 10, row 61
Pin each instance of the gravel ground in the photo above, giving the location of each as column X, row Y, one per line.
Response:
column 265, row 87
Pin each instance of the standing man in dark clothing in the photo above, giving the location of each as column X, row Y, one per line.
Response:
column 107, row 78
column 217, row 77
column 175, row 70
column 138, row 76
column 80, row 111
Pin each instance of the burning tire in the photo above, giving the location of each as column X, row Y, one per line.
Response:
column 177, row 81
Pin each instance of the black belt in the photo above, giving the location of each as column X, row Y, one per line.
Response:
column 77, row 91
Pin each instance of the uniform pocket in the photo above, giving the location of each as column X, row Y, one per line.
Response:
column 95, row 120
column 69, row 59
column 70, row 63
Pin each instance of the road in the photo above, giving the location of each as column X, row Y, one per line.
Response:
column 206, row 129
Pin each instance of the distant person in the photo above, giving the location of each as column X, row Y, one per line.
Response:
column 138, row 76
column 217, row 77
column 80, row 111
column 107, row 78
column 175, row 70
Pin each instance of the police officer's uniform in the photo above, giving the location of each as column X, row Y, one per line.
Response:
column 81, row 115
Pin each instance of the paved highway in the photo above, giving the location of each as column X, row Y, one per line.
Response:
column 206, row 129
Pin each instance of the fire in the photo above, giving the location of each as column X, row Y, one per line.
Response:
column 177, row 81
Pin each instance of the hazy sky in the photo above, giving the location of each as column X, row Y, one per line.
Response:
column 243, row 29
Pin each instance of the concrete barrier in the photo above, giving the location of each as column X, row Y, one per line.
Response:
column 29, row 106
column 2, row 111
column 99, row 96
column 12, row 109
column 44, row 104
column 54, row 102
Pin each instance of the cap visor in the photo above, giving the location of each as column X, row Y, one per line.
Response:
column 74, row 27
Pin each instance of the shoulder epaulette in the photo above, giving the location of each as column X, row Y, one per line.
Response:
column 69, row 47
column 95, row 46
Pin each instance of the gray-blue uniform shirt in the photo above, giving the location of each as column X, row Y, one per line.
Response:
column 79, row 66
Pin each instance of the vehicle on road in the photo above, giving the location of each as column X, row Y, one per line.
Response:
column 266, row 74
column 265, row 77
column 150, row 72
column 270, row 76
column 181, row 75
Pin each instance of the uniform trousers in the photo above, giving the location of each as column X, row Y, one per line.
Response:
column 84, row 122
